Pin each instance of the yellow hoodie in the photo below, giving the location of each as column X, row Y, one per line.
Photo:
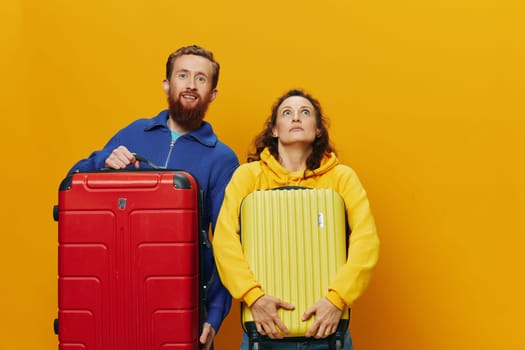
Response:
column 363, row 252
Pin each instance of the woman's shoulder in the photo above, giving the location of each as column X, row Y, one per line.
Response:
column 344, row 170
column 248, row 169
column 254, row 167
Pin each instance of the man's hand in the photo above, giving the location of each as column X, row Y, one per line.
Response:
column 327, row 317
column 120, row 158
column 207, row 335
column 267, row 321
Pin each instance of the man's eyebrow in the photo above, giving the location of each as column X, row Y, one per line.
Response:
column 184, row 70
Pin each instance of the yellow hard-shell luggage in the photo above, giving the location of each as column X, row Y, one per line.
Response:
column 295, row 239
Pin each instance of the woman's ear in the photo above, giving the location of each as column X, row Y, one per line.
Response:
column 274, row 133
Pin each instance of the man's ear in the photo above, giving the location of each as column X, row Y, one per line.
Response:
column 166, row 86
column 213, row 94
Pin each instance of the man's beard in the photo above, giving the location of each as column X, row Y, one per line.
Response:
column 187, row 118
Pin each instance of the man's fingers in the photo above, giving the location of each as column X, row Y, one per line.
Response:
column 124, row 155
column 207, row 335
column 204, row 334
column 120, row 158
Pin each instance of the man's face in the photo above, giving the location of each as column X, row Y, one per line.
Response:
column 189, row 90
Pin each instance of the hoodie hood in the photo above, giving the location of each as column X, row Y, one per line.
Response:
column 279, row 176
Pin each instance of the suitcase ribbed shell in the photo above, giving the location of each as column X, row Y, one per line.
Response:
column 295, row 241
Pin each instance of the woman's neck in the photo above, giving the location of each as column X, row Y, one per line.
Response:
column 294, row 158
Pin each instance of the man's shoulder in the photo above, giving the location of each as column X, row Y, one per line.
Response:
column 225, row 149
column 223, row 156
column 148, row 123
column 222, row 149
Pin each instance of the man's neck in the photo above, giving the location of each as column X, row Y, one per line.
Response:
column 172, row 125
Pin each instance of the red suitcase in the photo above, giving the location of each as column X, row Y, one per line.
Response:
column 128, row 261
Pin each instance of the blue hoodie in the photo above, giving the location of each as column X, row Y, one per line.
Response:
column 200, row 153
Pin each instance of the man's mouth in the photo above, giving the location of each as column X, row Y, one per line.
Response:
column 189, row 96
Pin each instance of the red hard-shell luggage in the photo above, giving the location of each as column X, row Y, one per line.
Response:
column 128, row 261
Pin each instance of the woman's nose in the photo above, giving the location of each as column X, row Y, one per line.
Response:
column 296, row 117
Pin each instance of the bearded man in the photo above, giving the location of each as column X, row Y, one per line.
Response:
column 179, row 138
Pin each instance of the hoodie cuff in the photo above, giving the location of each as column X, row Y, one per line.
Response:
column 335, row 299
column 252, row 295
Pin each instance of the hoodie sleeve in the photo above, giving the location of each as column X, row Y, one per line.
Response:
column 363, row 250
column 231, row 263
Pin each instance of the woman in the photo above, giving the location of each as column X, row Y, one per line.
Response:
column 294, row 150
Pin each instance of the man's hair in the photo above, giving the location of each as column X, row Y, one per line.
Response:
column 198, row 51
column 320, row 146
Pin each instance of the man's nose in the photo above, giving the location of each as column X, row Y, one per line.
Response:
column 191, row 83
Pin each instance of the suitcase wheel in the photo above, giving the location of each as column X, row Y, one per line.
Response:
column 55, row 325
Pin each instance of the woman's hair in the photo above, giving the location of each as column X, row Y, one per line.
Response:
column 198, row 51
column 320, row 146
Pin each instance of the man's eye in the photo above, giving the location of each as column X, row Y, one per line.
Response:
column 201, row 79
column 182, row 75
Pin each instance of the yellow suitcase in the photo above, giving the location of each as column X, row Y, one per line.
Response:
column 295, row 239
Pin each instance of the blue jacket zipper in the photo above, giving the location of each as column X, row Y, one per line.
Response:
column 172, row 143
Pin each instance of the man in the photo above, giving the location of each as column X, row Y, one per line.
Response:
column 178, row 138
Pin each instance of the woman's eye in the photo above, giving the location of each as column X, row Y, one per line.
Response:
column 286, row 113
column 305, row 112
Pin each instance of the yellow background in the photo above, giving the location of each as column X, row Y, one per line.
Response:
column 426, row 101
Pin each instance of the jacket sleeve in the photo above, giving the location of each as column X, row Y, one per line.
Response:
column 231, row 263
column 219, row 299
column 97, row 159
column 363, row 250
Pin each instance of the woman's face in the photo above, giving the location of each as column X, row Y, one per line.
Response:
column 296, row 122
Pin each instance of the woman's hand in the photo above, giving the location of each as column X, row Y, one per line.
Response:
column 327, row 317
column 267, row 321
